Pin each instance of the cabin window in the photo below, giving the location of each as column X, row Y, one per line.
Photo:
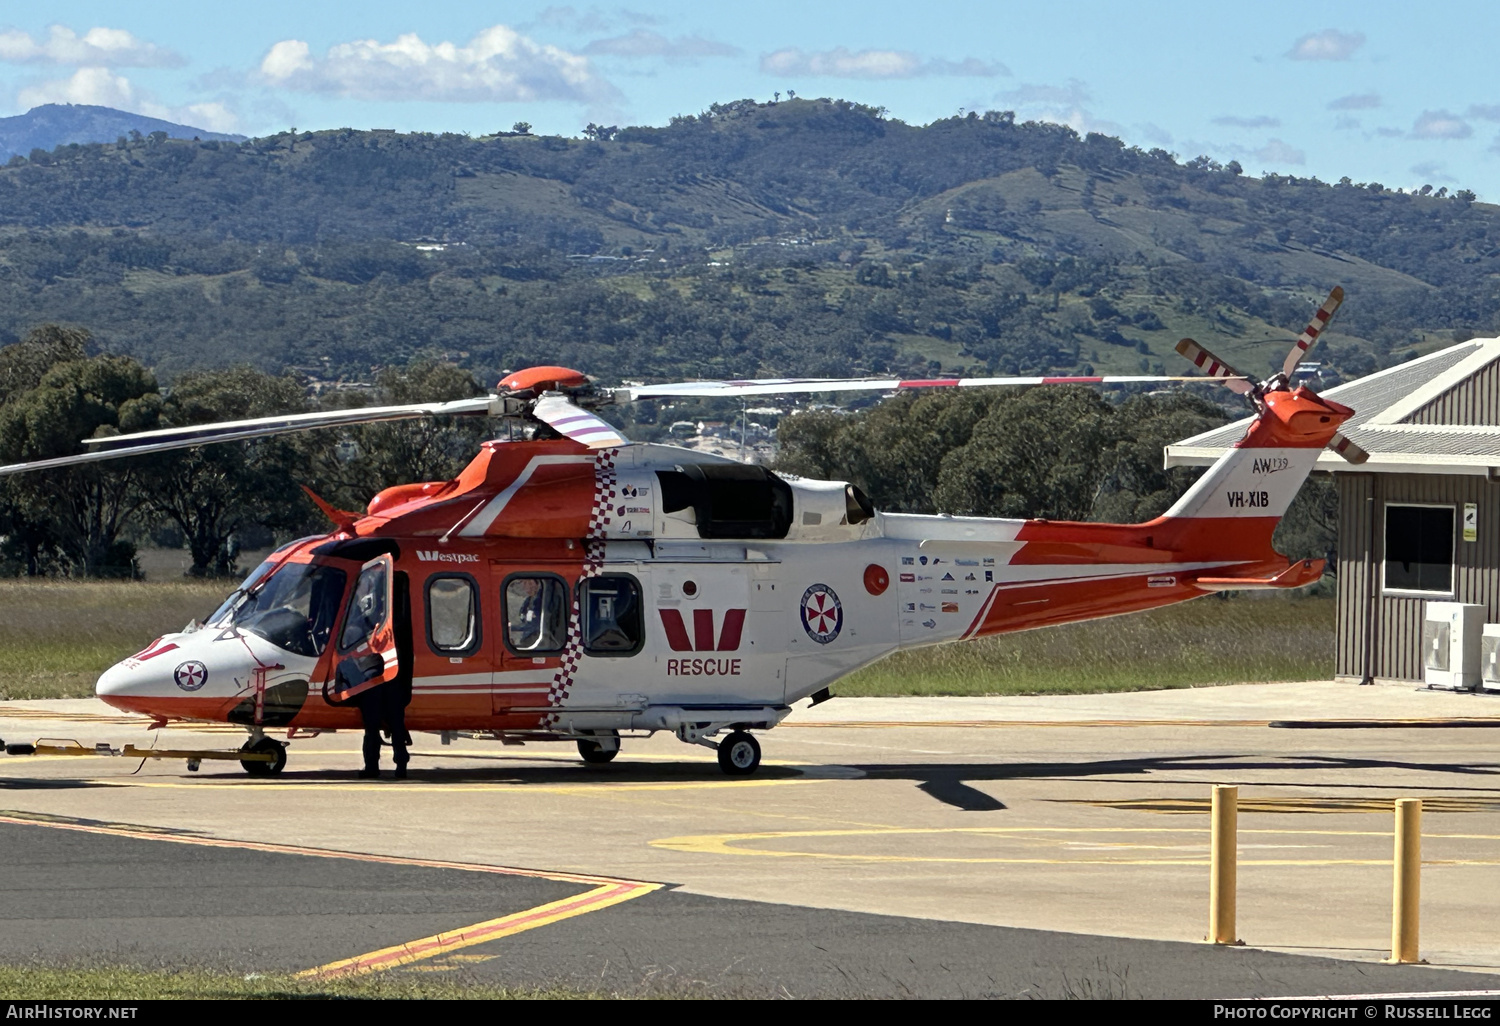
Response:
column 453, row 614
column 536, row 614
column 611, row 609
column 1419, row 549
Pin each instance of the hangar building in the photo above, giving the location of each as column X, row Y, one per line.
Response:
column 1419, row 522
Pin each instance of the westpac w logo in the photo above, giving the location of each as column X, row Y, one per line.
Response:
column 703, row 630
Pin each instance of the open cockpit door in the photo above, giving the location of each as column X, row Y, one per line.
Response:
column 366, row 654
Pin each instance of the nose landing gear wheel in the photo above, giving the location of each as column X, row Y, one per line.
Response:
column 595, row 753
column 739, row 754
column 259, row 768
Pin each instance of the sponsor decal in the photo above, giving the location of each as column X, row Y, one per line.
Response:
column 929, row 623
column 703, row 667
column 950, row 607
column 191, row 675
column 433, row 556
column 635, row 491
column 1269, row 464
column 924, row 591
column 936, row 560
column 908, row 560
column 908, row 578
column 1161, row 581
column 911, row 607
column 637, row 509
column 969, row 577
column 966, row 562
column 950, row 591
column 922, row 560
column 971, row 591
column 947, row 577
column 989, row 576
column 924, row 577
column 989, row 560
column 822, row 613
column 928, row 609
column 1250, row 500
column 703, row 631
column 908, row 623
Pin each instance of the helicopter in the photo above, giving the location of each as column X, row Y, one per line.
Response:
column 575, row 586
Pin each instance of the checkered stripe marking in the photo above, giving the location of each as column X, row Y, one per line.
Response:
column 605, row 489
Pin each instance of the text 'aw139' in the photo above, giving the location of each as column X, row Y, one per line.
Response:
column 578, row 587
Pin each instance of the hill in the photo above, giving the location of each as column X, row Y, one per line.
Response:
column 809, row 236
column 58, row 124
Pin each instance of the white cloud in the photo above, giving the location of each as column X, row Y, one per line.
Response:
column 1346, row 122
column 645, row 43
column 497, row 65
column 1356, row 101
column 842, row 63
column 98, row 47
column 101, row 87
column 1070, row 95
column 1259, row 121
column 1485, row 111
column 1432, row 171
column 1328, row 45
column 1154, row 133
column 1439, row 124
column 1277, row 152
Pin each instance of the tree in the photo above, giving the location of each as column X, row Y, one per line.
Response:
column 85, row 508
column 212, row 492
column 600, row 133
column 521, row 128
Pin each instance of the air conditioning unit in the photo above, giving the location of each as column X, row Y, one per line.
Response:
column 1450, row 645
column 1489, row 658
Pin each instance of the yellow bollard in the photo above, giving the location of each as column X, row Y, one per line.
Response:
column 1406, row 888
column 1223, row 859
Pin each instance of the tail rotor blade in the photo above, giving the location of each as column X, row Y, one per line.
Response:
column 1341, row 444
column 1314, row 328
column 1213, row 366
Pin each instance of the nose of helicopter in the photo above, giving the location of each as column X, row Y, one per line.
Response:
column 164, row 670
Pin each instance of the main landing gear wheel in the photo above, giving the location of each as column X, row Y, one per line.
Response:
column 260, row 768
column 595, row 753
column 739, row 754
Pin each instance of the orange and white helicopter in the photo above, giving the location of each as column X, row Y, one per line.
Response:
column 583, row 588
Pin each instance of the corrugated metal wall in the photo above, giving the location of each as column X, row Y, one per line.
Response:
column 1474, row 400
column 1397, row 628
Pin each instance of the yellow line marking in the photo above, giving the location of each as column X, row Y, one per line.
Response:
column 404, row 787
column 730, row 844
column 153, row 834
column 600, row 897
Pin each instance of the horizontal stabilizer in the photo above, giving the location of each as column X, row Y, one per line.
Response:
column 1298, row 575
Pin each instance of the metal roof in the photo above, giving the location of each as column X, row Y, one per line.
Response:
column 1383, row 402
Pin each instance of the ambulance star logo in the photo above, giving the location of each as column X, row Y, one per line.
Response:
column 190, row 676
column 822, row 614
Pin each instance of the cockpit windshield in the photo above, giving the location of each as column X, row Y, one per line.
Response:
column 295, row 608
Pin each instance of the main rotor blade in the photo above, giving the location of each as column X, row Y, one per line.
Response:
column 793, row 386
column 1213, row 366
column 1341, row 444
column 579, row 425
column 1314, row 328
column 259, row 427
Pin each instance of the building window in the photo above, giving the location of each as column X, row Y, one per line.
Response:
column 611, row 607
column 453, row 614
column 536, row 614
column 1419, row 549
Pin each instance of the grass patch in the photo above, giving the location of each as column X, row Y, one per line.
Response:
column 56, row 637
column 1191, row 644
column 115, row 983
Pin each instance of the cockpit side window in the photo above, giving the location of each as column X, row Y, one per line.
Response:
column 366, row 607
column 295, row 609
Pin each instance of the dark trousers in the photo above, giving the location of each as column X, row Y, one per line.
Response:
column 383, row 708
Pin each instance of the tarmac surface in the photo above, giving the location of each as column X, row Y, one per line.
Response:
column 1013, row 847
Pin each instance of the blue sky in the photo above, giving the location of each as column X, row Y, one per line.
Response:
column 1379, row 92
